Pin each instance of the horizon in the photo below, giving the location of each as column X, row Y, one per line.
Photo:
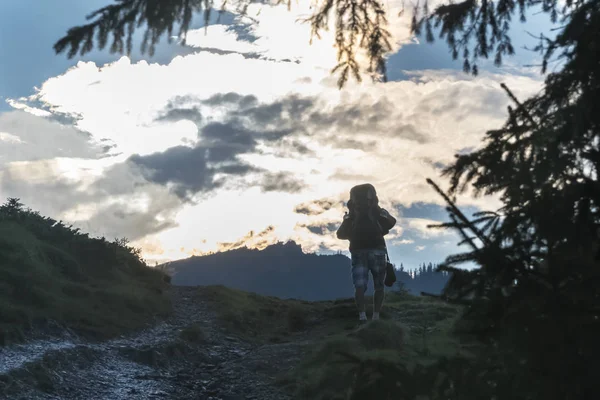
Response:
column 183, row 155
column 397, row 265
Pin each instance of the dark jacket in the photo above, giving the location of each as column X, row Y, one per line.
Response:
column 386, row 221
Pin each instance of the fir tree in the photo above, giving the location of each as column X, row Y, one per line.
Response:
column 535, row 298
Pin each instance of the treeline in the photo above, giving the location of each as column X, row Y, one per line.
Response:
column 424, row 278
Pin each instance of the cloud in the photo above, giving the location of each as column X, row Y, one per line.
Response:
column 281, row 182
column 419, row 226
column 402, row 241
column 252, row 240
column 28, row 137
column 277, row 145
column 27, row 179
column 231, row 98
column 397, row 231
column 122, row 219
column 318, row 144
column 353, row 177
column 10, row 138
column 317, row 207
column 29, row 109
column 321, row 228
column 112, row 200
column 406, row 139
column 177, row 114
column 184, row 167
column 190, row 170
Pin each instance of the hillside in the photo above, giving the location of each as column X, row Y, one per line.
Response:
column 222, row 343
column 52, row 274
column 284, row 271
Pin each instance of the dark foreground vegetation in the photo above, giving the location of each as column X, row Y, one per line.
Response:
column 394, row 358
column 50, row 272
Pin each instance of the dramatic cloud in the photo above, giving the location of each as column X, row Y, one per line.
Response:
column 184, row 167
column 188, row 156
column 201, row 168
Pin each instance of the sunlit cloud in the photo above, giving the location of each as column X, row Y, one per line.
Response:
column 217, row 150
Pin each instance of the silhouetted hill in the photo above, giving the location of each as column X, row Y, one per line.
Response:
column 284, row 271
column 281, row 270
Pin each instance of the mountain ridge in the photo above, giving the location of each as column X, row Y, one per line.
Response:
column 281, row 270
column 284, row 270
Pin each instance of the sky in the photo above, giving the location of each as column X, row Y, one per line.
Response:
column 240, row 137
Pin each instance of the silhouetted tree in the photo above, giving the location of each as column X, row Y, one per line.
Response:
column 535, row 300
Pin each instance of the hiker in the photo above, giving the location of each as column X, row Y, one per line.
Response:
column 365, row 225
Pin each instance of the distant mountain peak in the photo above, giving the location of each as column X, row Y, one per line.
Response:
column 289, row 247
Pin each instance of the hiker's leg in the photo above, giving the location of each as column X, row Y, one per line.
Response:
column 378, row 301
column 359, row 298
column 360, row 278
column 377, row 264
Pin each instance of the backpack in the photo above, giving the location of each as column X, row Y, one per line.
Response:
column 364, row 211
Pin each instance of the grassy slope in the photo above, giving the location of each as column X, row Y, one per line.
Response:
column 92, row 286
column 413, row 330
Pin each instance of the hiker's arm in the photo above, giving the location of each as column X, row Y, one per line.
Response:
column 386, row 221
column 343, row 231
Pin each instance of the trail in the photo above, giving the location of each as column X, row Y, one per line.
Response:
column 151, row 364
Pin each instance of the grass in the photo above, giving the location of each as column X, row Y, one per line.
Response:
column 91, row 286
column 257, row 317
column 413, row 332
column 193, row 334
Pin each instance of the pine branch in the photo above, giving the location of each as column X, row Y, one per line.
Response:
column 460, row 215
column 519, row 104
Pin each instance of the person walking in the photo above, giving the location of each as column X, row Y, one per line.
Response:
column 365, row 224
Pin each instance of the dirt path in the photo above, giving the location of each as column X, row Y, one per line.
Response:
column 152, row 364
